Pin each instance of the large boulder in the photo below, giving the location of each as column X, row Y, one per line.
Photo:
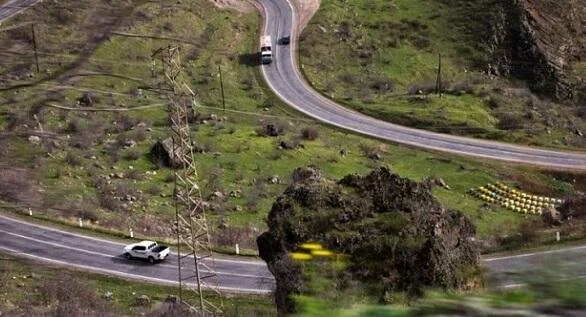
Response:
column 165, row 153
column 394, row 232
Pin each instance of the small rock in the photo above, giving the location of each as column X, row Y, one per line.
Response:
column 172, row 299
column 119, row 175
column 238, row 208
column 265, row 109
column 130, row 143
column 204, row 121
column 274, row 179
column 141, row 125
column 108, row 295
column 224, row 118
column 217, row 154
column 578, row 132
column 130, row 167
column 375, row 156
column 218, row 194
column 143, row 300
column 34, row 139
column 149, row 130
column 442, row 183
column 213, row 117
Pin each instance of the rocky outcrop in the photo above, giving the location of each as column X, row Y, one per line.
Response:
column 165, row 153
column 395, row 233
column 539, row 41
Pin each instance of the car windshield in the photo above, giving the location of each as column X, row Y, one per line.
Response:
column 152, row 246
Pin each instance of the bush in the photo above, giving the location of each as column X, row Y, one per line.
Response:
column 73, row 159
column 382, row 84
column 132, row 155
column 134, row 174
column 424, row 88
column 154, row 190
column 309, row 133
column 271, row 129
column 170, row 178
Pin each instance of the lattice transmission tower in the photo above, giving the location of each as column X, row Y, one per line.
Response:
column 197, row 264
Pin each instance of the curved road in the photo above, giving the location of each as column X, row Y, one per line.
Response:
column 13, row 7
column 237, row 276
column 285, row 80
column 105, row 256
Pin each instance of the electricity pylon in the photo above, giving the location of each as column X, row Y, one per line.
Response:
column 191, row 227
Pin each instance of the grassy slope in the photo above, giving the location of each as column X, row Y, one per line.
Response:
column 396, row 43
column 235, row 154
column 23, row 288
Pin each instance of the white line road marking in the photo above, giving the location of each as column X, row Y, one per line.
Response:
column 116, row 257
column 117, row 243
column 534, row 254
column 129, row 275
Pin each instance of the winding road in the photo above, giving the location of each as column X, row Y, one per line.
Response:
column 14, row 7
column 284, row 78
column 68, row 249
column 250, row 276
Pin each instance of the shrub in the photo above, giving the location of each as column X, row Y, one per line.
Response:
column 154, row 190
column 381, row 84
column 424, row 88
column 73, row 159
column 169, row 178
column 125, row 122
column 134, row 174
column 271, row 129
column 309, row 133
column 132, row 155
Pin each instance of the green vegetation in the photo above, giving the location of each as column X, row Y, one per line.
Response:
column 382, row 59
column 542, row 294
column 33, row 290
column 81, row 164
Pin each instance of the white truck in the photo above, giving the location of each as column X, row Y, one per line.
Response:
column 148, row 250
column 266, row 53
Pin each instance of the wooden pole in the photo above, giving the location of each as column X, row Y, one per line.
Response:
column 222, row 88
column 35, row 47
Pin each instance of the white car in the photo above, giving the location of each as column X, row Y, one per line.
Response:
column 148, row 250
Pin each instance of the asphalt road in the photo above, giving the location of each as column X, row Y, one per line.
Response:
column 13, row 7
column 104, row 256
column 285, row 80
column 241, row 276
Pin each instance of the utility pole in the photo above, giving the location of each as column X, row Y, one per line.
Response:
column 35, row 47
column 438, row 83
column 222, row 87
column 190, row 222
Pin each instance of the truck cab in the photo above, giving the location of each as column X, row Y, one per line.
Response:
column 266, row 53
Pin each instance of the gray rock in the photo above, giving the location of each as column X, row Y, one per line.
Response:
column 143, row 300
column 238, row 208
column 108, row 295
column 172, row 299
column 34, row 139
column 274, row 179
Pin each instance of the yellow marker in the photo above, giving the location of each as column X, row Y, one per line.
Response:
column 311, row 246
column 322, row 253
column 300, row 256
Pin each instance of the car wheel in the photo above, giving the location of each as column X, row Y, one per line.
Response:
column 151, row 260
column 127, row 256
